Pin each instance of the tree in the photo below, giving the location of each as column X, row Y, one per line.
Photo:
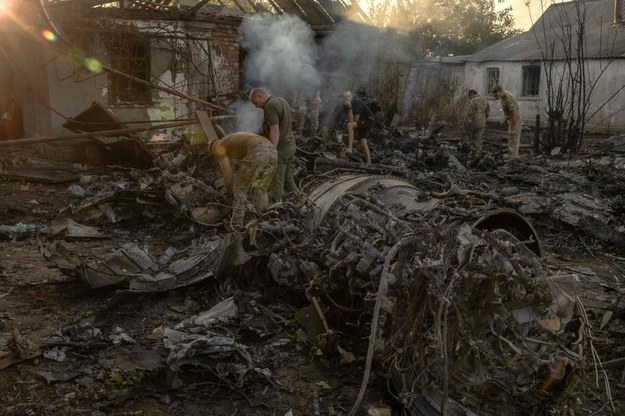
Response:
column 443, row 27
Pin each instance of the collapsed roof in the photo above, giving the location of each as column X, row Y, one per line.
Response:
column 314, row 12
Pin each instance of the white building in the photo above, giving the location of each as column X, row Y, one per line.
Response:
column 523, row 63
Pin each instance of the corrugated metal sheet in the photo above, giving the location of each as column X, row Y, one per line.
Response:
column 561, row 21
column 593, row 11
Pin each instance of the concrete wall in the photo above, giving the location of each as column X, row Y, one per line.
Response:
column 30, row 83
column 46, row 79
column 610, row 119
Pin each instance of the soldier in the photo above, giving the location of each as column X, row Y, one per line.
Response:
column 277, row 128
column 308, row 96
column 308, row 101
column 513, row 118
column 359, row 122
column 258, row 162
column 477, row 113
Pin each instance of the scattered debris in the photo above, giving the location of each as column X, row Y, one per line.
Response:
column 425, row 269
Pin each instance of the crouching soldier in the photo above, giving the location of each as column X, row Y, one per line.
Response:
column 476, row 115
column 258, row 159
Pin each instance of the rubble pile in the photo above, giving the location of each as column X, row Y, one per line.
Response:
column 480, row 327
column 428, row 266
column 441, row 272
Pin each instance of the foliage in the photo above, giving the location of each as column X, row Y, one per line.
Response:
column 418, row 92
column 443, row 27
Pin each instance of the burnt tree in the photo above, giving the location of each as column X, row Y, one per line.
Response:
column 576, row 47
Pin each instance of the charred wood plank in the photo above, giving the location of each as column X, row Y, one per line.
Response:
column 207, row 126
column 289, row 6
column 322, row 164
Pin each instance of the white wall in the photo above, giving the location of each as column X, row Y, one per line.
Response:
column 29, row 83
column 610, row 119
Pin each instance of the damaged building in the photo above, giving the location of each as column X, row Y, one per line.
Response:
column 527, row 63
column 142, row 60
column 164, row 56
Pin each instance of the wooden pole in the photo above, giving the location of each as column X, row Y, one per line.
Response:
column 537, row 134
column 68, row 137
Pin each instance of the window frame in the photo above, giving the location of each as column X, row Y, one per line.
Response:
column 489, row 87
column 133, row 57
column 530, row 85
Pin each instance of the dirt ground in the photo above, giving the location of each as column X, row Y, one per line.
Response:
column 37, row 301
column 129, row 378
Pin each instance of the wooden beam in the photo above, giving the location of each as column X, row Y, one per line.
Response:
column 69, row 137
column 207, row 125
column 193, row 10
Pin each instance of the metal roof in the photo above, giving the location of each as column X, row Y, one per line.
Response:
column 314, row 12
column 602, row 39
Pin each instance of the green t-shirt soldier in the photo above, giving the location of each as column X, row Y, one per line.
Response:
column 277, row 128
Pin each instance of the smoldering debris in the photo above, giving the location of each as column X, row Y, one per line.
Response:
column 212, row 351
column 139, row 271
column 470, row 314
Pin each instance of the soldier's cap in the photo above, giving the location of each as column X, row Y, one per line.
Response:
column 496, row 89
column 472, row 92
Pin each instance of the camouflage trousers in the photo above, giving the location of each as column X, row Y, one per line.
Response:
column 304, row 104
column 476, row 136
column 514, row 139
column 253, row 178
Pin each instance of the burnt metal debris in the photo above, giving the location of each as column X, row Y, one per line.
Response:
column 461, row 312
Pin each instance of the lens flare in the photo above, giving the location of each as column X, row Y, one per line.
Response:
column 49, row 35
column 93, row 65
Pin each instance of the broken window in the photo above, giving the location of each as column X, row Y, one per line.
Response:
column 131, row 58
column 493, row 78
column 531, row 80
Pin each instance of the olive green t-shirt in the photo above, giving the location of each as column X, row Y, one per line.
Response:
column 277, row 111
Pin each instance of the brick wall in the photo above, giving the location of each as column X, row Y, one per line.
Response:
column 229, row 38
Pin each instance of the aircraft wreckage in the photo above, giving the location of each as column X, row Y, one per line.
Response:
column 447, row 287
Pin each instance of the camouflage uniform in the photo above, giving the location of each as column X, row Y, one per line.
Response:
column 257, row 158
column 306, row 98
column 307, row 101
column 253, row 177
column 476, row 115
column 508, row 105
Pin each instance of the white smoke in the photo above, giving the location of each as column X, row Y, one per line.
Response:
column 283, row 57
column 281, row 54
column 352, row 54
column 248, row 117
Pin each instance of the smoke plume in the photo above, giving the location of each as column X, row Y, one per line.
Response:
column 248, row 117
column 284, row 58
column 281, row 54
